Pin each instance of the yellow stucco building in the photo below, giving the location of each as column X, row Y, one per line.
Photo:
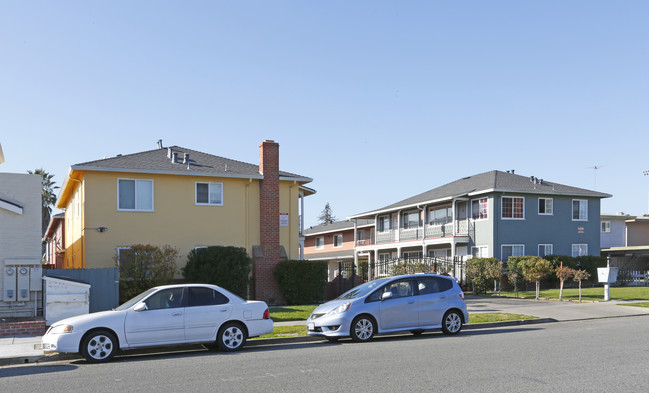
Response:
column 186, row 199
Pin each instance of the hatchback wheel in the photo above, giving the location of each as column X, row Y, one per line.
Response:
column 363, row 328
column 99, row 346
column 452, row 323
column 231, row 337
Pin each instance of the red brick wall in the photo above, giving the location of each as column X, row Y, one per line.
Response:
column 266, row 287
column 25, row 328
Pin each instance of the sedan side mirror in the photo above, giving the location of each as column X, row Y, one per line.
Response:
column 140, row 307
column 386, row 295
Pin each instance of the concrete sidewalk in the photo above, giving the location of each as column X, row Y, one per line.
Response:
column 18, row 350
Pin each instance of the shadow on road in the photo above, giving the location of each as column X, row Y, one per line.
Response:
column 33, row 370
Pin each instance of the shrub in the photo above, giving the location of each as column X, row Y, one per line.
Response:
column 301, row 282
column 144, row 266
column 226, row 266
column 481, row 271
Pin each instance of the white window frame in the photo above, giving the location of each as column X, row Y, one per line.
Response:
column 578, row 248
column 605, row 227
column 481, row 215
column 339, row 243
column 522, row 246
column 209, row 192
column 545, row 246
column 545, row 206
column 405, row 223
column 502, row 210
column 380, row 225
column 136, row 181
column 580, row 218
column 316, row 243
column 119, row 249
column 480, row 251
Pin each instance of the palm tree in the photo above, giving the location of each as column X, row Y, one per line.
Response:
column 47, row 195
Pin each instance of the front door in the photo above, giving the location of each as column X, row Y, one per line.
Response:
column 162, row 322
column 399, row 311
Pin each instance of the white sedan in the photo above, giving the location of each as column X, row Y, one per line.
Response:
column 162, row 316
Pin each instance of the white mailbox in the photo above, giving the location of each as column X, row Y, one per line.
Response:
column 607, row 274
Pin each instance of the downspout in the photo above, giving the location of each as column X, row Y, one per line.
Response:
column 246, row 213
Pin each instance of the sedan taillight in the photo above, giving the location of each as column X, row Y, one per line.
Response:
column 267, row 314
column 462, row 295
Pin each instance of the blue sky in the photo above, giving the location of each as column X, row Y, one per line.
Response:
column 375, row 100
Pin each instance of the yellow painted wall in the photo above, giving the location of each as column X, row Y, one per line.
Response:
column 176, row 220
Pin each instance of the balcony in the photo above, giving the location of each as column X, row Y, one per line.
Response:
column 462, row 228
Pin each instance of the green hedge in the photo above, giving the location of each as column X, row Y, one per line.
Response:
column 143, row 266
column 225, row 266
column 301, row 282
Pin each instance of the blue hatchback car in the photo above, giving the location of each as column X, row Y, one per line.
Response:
column 414, row 303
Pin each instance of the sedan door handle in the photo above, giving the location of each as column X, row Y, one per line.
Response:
column 224, row 310
column 176, row 314
column 411, row 301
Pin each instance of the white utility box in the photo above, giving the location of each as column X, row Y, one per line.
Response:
column 64, row 298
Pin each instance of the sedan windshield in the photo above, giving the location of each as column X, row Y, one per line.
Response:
column 363, row 289
column 136, row 299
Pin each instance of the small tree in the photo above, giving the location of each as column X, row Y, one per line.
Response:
column 144, row 266
column 514, row 273
column 579, row 276
column 494, row 270
column 563, row 273
column 535, row 269
column 326, row 216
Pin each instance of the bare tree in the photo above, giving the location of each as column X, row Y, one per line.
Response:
column 326, row 216
column 563, row 273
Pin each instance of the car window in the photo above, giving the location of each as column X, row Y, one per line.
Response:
column 201, row 296
column 444, row 283
column 427, row 286
column 166, row 298
column 401, row 288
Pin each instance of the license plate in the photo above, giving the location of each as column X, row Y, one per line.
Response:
column 311, row 326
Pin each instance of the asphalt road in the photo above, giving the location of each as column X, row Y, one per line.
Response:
column 604, row 355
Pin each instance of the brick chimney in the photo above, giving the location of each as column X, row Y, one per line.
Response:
column 266, row 287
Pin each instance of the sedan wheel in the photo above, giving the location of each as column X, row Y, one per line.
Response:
column 452, row 323
column 363, row 329
column 231, row 337
column 99, row 346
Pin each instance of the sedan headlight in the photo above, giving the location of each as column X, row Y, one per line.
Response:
column 342, row 308
column 60, row 329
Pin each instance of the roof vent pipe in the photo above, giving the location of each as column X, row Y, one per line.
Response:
column 159, row 143
column 169, row 152
column 186, row 159
column 174, row 158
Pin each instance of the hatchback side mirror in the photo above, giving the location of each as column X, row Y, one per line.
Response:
column 140, row 307
column 386, row 295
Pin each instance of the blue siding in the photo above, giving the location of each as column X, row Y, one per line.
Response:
column 557, row 229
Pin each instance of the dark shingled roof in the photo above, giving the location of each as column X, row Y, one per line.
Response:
column 337, row 226
column 156, row 161
column 487, row 182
